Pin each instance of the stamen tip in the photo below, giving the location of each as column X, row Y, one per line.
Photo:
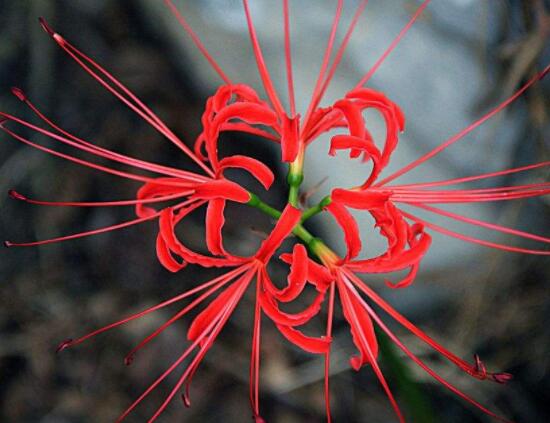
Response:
column 15, row 195
column 129, row 359
column 65, row 344
column 46, row 27
column 186, row 400
column 7, row 244
column 18, row 92
column 502, row 378
column 544, row 72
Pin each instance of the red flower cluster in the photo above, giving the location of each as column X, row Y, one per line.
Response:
column 237, row 107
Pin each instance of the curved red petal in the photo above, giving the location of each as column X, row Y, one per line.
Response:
column 165, row 256
column 307, row 343
column 221, row 188
column 167, row 223
column 286, row 223
column 289, row 139
column 296, row 279
column 270, row 308
column 160, row 187
column 397, row 262
column 363, row 200
column 352, row 113
column 205, row 317
column 349, row 226
column 256, row 168
column 252, row 113
column 362, row 329
column 214, row 224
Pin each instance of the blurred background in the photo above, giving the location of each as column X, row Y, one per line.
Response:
column 460, row 58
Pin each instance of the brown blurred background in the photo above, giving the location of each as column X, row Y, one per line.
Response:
column 495, row 304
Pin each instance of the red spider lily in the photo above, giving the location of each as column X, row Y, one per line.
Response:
column 176, row 193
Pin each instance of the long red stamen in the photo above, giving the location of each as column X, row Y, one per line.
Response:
column 330, row 316
column 510, row 188
column 480, row 223
column 394, row 44
column 131, row 100
column 262, row 67
column 419, row 362
column 343, row 289
column 464, row 132
column 462, row 364
column 340, row 52
column 205, row 346
column 103, row 152
column 168, row 371
column 70, row 342
column 473, row 178
column 473, row 240
column 288, row 59
column 221, row 281
column 94, row 231
column 196, row 40
column 74, row 159
column 326, row 58
column 255, row 355
column 17, row 196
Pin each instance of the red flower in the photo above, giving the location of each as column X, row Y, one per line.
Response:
column 170, row 194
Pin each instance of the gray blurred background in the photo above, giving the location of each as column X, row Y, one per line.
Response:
column 460, row 58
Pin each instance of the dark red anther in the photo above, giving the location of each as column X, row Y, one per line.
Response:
column 15, row 195
column 502, row 378
column 7, row 244
column 480, row 368
column 18, row 92
column 46, row 27
column 129, row 359
column 65, row 344
column 186, row 400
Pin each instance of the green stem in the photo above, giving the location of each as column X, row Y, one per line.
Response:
column 312, row 211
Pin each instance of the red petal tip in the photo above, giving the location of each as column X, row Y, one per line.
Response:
column 129, row 359
column 502, row 378
column 65, row 344
column 15, row 195
column 46, row 27
column 7, row 244
column 18, row 92
column 186, row 400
